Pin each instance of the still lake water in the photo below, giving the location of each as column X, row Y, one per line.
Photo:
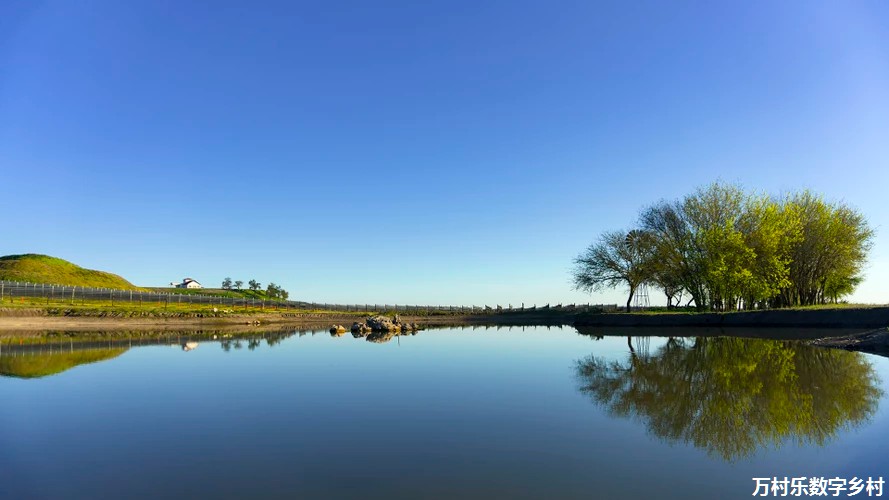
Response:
column 508, row 413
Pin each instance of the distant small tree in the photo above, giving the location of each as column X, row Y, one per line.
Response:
column 284, row 294
column 227, row 284
column 239, row 284
column 254, row 285
column 272, row 290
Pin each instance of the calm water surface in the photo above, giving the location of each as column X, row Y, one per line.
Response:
column 520, row 413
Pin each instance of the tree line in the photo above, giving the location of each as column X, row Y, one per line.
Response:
column 273, row 291
column 727, row 249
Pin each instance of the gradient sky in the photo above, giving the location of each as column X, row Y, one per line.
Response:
column 420, row 152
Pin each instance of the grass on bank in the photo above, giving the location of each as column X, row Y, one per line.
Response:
column 79, row 307
column 64, row 306
column 103, row 308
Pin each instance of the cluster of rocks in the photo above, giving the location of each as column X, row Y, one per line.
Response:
column 376, row 324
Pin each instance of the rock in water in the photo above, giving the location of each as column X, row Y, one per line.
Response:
column 381, row 324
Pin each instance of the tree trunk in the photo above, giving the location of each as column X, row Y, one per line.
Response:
column 630, row 298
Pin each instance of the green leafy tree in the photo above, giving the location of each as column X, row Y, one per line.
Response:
column 227, row 284
column 254, row 285
column 733, row 250
column 239, row 284
column 827, row 260
column 276, row 292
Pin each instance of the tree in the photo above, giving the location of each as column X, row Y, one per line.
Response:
column 718, row 251
column 276, row 292
column 730, row 249
column 239, row 284
column 227, row 284
column 617, row 259
column 666, row 278
column 769, row 230
column 676, row 256
column 254, row 285
column 826, row 261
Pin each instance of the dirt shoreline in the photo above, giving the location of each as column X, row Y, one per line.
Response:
column 872, row 342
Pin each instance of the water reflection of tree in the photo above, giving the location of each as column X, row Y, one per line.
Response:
column 271, row 339
column 733, row 396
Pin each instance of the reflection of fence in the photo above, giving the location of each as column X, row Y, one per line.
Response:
column 76, row 295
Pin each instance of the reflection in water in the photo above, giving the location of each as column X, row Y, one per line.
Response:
column 733, row 396
column 29, row 357
column 35, row 365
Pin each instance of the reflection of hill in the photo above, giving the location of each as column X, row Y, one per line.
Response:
column 733, row 396
column 44, row 364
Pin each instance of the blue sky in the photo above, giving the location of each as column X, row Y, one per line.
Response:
column 420, row 152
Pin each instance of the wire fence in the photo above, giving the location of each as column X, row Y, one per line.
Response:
column 77, row 295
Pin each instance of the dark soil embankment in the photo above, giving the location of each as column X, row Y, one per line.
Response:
column 873, row 342
column 873, row 317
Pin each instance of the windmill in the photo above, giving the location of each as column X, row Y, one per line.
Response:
column 634, row 242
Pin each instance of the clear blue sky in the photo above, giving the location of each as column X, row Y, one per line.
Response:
column 420, row 152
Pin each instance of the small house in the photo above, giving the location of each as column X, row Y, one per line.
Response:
column 187, row 283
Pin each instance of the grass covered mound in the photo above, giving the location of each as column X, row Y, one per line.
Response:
column 42, row 365
column 34, row 268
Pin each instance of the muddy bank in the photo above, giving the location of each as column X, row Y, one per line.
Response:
column 872, row 342
column 851, row 318
column 771, row 333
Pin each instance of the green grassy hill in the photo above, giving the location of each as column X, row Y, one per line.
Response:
column 35, row 268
